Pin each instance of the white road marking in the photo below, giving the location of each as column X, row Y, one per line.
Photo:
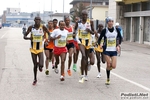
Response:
column 3, row 35
column 125, row 79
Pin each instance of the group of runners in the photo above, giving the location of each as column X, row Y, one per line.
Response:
column 56, row 41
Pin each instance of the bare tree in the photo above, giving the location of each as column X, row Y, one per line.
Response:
column 78, row 11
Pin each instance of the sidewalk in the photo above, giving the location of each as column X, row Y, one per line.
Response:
column 136, row 44
column 135, row 47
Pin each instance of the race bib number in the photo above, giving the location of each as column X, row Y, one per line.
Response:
column 111, row 42
column 84, row 35
column 61, row 42
column 37, row 38
column 69, row 36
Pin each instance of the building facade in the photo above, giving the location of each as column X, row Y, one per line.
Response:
column 99, row 8
column 99, row 12
column 134, row 16
column 13, row 17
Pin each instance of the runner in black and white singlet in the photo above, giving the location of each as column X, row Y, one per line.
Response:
column 112, row 40
column 85, row 29
column 38, row 32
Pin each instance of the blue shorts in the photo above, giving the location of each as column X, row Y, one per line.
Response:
column 110, row 53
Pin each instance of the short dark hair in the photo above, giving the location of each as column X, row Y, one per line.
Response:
column 65, row 17
column 50, row 21
column 84, row 12
column 55, row 20
column 60, row 22
column 37, row 18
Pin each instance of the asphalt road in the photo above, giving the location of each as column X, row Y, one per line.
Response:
column 132, row 74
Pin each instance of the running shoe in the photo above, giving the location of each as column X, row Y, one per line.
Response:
column 47, row 72
column 99, row 75
column 86, row 78
column 107, row 82
column 40, row 69
column 74, row 67
column 62, row 78
column 34, row 82
column 53, row 66
column 56, row 70
column 89, row 66
column 69, row 72
column 81, row 79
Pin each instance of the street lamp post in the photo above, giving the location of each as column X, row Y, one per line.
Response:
column 91, row 10
column 63, row 8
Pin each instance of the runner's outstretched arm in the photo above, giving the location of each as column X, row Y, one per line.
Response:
column 46, row 30
column 101, row 36
column 28, row 31
column 119, row 37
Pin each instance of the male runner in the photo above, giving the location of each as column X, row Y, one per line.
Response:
column 49, row 49
column 70, row 42
column 60, row 50
column 55, row 21
column 98, row 51
column 76, row 48
column 37, row 38
column 85, row 29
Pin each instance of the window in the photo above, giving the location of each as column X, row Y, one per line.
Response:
column 107, row 3
column 145, row 6
column 127, row 8
column 136, row 6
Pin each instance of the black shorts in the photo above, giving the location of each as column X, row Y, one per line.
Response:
column 86, row 42
column 110, row 53
column 70, row 45
column 91, row 50
column 51, row 50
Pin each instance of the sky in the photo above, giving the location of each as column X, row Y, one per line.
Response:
column 36, row 5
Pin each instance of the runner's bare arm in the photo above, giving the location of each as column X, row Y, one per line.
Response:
column 46, row 31
column 53, row 36
column 92, row 25
column 119, row 37
column 28, row 31
column 92, row 28
column 101, row 36
column 75, row 27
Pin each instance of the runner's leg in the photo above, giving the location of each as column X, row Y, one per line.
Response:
column 70, row 60
column 47, row 58
column 113, row 61
column 34, row 59
column 47, row 61
column 41, row 61
column 108, row 68
column 98, row 64
column 75, row 58
column 56, row 63
column 63, row 58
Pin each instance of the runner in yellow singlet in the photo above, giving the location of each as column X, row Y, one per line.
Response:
column 85, row 29
column 98, row 51
column 37, row 44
